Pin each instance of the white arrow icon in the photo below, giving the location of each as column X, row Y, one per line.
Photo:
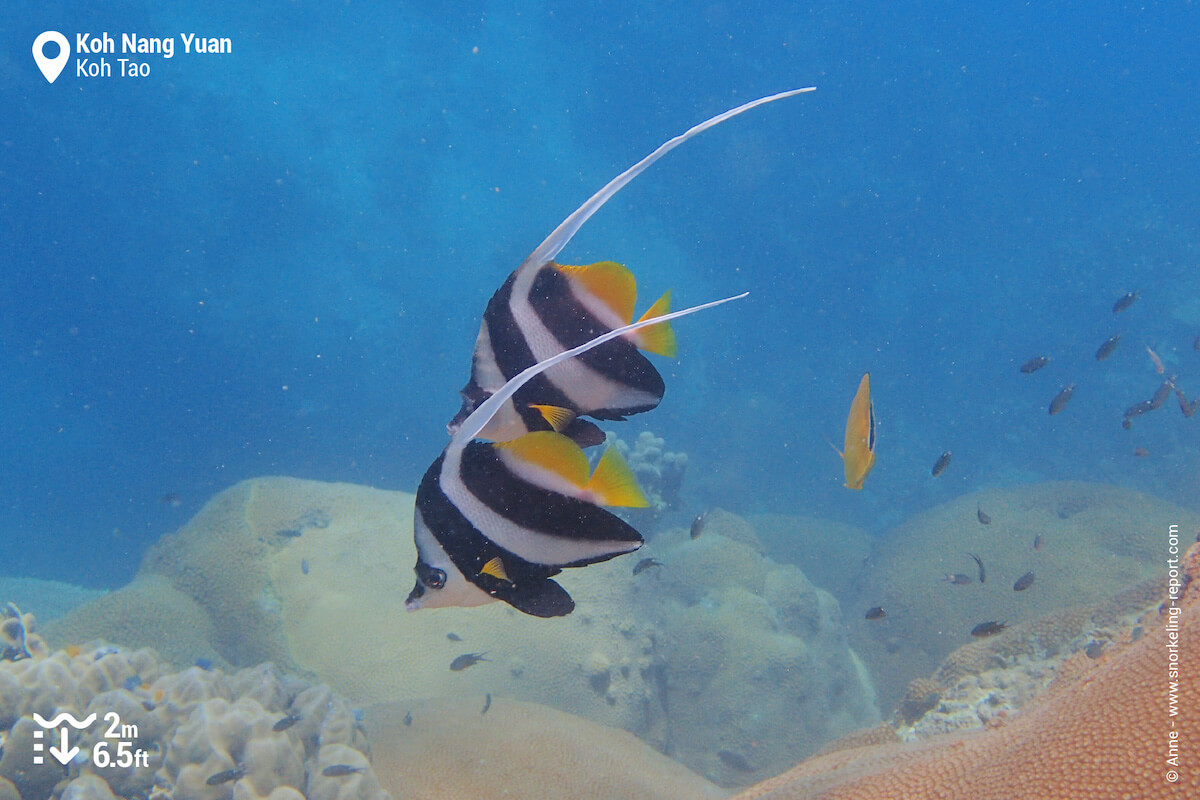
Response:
column 61, row 754
column 51, row 67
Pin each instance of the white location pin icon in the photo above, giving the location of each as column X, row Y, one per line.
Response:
column 51, row 67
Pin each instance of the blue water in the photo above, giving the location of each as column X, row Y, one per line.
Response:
column 273, row 261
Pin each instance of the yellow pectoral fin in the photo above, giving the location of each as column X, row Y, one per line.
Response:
column 610, row 283
column 658, row 339
column 495, row 568
column 552, row 452
column 613, row 483
column 557, row 417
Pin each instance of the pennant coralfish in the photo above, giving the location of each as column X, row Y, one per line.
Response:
column 859, row 455
column 496, row 521
column 545, row 308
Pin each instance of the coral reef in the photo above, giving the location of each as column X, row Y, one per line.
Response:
column 659, row 471
column 446, row 749
column 1106, row 727
column 831, row 554
column 1094, row 541
column 190, row 726
column 313, row 577
column 749, row 647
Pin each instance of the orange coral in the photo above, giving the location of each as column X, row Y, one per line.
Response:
column 1106, row 735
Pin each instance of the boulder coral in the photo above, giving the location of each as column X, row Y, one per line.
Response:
column 1123, row 725
column 447, row 749
column 187, row 726
column 313, row 577
column 756, row 665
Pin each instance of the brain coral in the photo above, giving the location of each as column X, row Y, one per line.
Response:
column 191, row 725
column 1110, row 730
column 1095, row 541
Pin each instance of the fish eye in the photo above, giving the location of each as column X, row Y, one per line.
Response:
column 431, row 577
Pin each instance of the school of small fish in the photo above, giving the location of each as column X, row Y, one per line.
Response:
column 1107, row 348
column 512, row 500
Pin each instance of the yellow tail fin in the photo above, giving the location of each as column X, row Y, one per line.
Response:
column 658, row 339
column 613, row 482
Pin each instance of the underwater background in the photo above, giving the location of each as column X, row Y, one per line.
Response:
column 273, row 261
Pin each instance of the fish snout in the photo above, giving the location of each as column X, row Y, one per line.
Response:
column 416, row 598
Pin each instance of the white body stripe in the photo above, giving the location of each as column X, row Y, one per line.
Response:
column 533, row 546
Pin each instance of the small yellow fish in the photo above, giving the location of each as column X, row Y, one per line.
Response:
column 859, row 455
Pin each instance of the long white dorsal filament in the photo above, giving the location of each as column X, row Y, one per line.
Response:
column 480, row 417
column 559, row 237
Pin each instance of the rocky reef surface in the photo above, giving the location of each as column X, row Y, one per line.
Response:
column 710, row 658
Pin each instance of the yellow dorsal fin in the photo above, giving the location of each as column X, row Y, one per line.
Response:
column 558, row 417
column 613, row 483
column 552, row 452
column 659, row 339
column 610, row 283
column 495, row 568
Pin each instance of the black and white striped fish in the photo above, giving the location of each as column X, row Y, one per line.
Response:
column 543, row 309
column 498, row 520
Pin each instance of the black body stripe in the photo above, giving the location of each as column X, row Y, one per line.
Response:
column 512, row 354
column 467, row 547
column 571, row 325
column 534, row 508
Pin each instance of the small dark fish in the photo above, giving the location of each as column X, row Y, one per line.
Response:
column 290, row 533
column 454, row 637
column 341, row 770
column 698, row 524
column 286, row 722
column 1137, row 409
column 1061, row 399
column 735, row 761
column 1094, row 649
column 645, row 564
column 876, row 613
column 940, row 465
column 1124, row 302
column 132, row 682
column 1141, row 452
column 979, row 563
column 204, row 663
column 225, row 776
column 1161, row 394
column 1037, row 542
column 487, row 703
column 304, row 566
column 408, row 718
column 983, row 518
column 958, row 579
column 467, row 660
column 1105, row 350
column 1187, row 409
column 1034, row 364
column 984, row 629
column 1023, row 582
column 171, row 499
